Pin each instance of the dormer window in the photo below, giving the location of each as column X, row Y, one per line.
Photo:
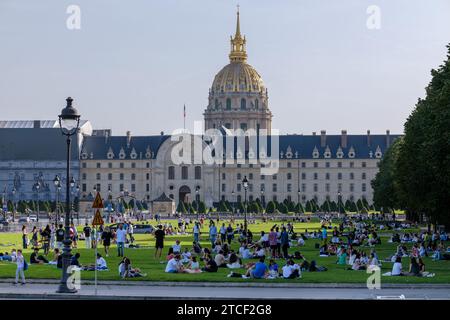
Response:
column 133, row 154
column 327, row 153
column 122, row 154
column 315, row 153
column 339, row 153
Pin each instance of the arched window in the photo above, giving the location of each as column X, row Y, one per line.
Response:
column 228, row 104
column 198, row 173
column 256, row 104
column 171, row 173
column 243, row 104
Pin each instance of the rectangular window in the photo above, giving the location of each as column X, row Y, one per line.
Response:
column 274, row 177
column 263, row 177
column 110, row 165
column 238, row 187
column 274, row 187
column 339, row 187
column 327, row 164
column 83, row 187
column 83, row 176
column 133, row 187
column 327, row 176
column 316, row 176
column 303, row 176
column 223, row 176
column 339, row 164
column 303, row 187
column 83, row 165
column 133, row 165
column 289, row 187
column 315, row 187
column 250, row 176
column 262, row 187
column 352, row 187
column 121, row 176
column 198, row 172
column 363, row 164
column 98, row 187
column 184, row 173
column 316, row 164
column 250, row 187
column 303, row 164
column 121, row 187
column 121, row 165
column 99, row 165
column 98, row 176
column 289, row 165
column 363, row 176
column 339, row 175
column 147, row 187
column 147, row 176
column 352, row 164
column 109, row 176
column 352, row 176
column 148, row 164
column 363, row 187
column 224, row 187
column 327, row 187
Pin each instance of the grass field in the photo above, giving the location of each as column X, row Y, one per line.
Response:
column 143, row 258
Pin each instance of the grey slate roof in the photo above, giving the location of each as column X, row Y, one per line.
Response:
column 99, row 146
column 35, row 144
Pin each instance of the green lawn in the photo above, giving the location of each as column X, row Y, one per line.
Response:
column 144, row 259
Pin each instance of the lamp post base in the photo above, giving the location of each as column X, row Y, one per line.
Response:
column 64, row 289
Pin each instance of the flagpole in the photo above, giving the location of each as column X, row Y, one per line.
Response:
column 184, row 117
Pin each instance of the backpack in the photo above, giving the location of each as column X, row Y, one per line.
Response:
column 25, row 265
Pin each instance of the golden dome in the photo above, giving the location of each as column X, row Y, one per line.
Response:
column 238, row 77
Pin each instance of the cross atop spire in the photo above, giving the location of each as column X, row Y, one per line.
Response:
column 238, row 53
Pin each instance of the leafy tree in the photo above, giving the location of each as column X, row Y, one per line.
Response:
column 271, row 207
column 181, row 207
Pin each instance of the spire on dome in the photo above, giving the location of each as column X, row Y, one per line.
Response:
column 238, row 53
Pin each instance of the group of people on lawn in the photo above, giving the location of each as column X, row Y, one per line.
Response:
column 274, row 244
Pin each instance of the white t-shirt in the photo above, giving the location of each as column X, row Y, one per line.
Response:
column 172, row 265
column 121, row 235
column 176, row 248
column 246, row 254
column 101, row 263
column 396, row 269
column 287, row 270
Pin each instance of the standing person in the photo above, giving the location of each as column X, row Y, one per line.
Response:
column 159, row 243
column 212, row 233
column 223, row 233
column 130, row 232
column 59, row 237
column 121, row 235
column 53, row 236
column 34, row 237
column 45, row 234
column 273, row 243
column 196, row 231
column 24, row 237
column 230, row 233
column 106, row 237
column 87, row 235
column 21, row 263
column 73, row 235
column 277, row 230
column 284, row 238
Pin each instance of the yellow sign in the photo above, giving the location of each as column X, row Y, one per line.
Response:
column 98, row 202
column 98, row 220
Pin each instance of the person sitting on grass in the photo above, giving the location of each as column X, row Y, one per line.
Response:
column 101, row 262
column 217, row 246
column 273, row 269
column 298, row 256
column 259, row 252
column 258, row 271
column 234, row 262
column 220, row 260
column 35, row 258
column 397, row 267
column 75, row 260
column 176, row 247
column 196, row 248
column 342, row 257
column 357, row 265
column 291, row 270
column 174, row 265
column 193, row 266
column 323, row 251
column 56, row 254
column 127, row 271
column 210, row 264
column 414, row 268
column 170, row 254
column 186, row 256
column 313, row 267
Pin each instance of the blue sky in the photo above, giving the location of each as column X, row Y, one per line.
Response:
column 133, row 64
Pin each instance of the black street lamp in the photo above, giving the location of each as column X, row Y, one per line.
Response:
column 69, row 122
column 72, row 185
column 14, row 202
column 339, row 203
column 197, row 199
column 37, row 186
column 245, row 185
column 263, row 201
column 109, row 202
column 77, row 190
column 234, row 202
column 57, row 183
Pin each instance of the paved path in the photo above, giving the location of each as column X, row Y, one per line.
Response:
column 47, row 291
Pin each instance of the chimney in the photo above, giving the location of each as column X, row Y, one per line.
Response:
column 344, row 138
column 162, row 133
column 314, row 133
column 388, row 138
column 323, row 138
column 368, row 138
column 106, row 136
column 37, row 124
column 128, row 138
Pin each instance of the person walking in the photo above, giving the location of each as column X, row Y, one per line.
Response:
column 212, row 233
column 121, row 235
column 196, row 231
column 21, row 266
column 87, row 235
column 284, row 238
column 24, row 237
column 159, row 243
